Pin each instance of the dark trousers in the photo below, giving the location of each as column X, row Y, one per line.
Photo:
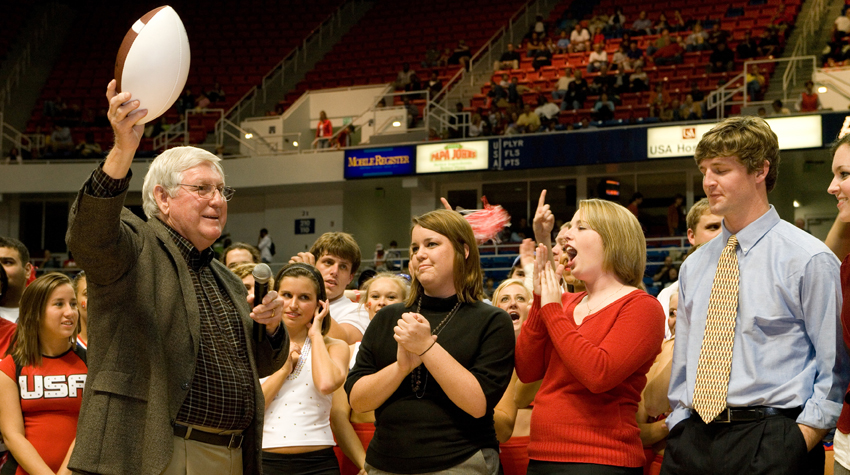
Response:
column 772, row 446
column 536, row 467
column 320, row 462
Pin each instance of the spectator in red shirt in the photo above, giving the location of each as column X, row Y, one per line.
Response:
column 324, row 131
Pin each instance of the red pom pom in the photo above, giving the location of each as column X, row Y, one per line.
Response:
column 487, row 223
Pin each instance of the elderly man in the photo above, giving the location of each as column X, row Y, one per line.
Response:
column 173, row 371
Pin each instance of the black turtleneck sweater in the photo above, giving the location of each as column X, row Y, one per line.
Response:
column 430, row 433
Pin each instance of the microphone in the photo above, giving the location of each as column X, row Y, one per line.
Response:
column 262, row 274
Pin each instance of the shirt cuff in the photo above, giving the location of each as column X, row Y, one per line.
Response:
column 276, row 339
column 102, row 185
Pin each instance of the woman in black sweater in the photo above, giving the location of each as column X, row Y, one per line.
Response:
column 434, row 367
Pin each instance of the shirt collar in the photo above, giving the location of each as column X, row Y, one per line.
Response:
column 753, row 232
column 196, row 259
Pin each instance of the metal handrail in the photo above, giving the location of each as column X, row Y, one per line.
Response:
column 818, row 8
column 250, row 97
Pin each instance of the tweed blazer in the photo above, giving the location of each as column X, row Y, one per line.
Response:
column 144, row 333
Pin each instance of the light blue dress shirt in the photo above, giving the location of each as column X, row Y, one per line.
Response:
column 788, row 350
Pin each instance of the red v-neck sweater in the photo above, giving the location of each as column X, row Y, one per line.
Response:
column 593, row 375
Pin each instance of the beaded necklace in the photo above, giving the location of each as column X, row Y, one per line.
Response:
column 417, row 382
column 305, row 353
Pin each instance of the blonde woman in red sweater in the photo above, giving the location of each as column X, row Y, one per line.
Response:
column 591, row 349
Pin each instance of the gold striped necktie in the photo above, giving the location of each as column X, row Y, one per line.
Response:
column 715, row 356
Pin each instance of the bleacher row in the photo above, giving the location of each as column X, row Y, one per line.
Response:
column 677, row 79
column 231, row 43
column 235, row 46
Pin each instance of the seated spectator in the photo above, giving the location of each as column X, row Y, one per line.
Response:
column 547, row 111
column 432, row 57
column 563, row 83
column 461, row 54
column 457, row 123
column 512, row 127
column 659, row 100
column 635, row 55
column 678, row 23
column 476, row 125
column 603, row 109
column 498, row 123
column 603, row 83
column 642, row 26
column 414, row 85
column 809, row 100
column 697, row 40
column 509, row 59
column 782, row 18
column 14, row 156
column 661, row 24
column 539, row 27
column 579, row 39
column 533, row 46
column 88, row 148
column 506, row 80
column 542, row 57
column 444, row 58
column 762, row 112
column 576, row 92
column 717, row 36
column 690, row 110
column 755, row 82
column 660, row 42
column 435, row 85
column 412, row 113
column 748, row 47
column 185, row 102
column 216, row 94
column 516, row 90
column 663, row 275
column 721, row 60
column 778, row 109
column 620, row 60
column 621, row 82
column 841, row 26
column 497, row 95
column 696, row 93
column 61, row 141
column 768, row 43
column 616, row 23
column 598, row 58
column 638, row 80
column 670, row 54
column 403, row 77
column 671, row 113
column 528, row 122
column 563, row 44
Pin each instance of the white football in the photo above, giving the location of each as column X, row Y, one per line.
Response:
column 153, row 61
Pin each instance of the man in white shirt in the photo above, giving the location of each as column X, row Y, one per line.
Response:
column 338, row 260
column 15, row 259
column 579, row 39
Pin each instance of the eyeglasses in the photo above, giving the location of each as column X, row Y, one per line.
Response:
column 207, row 192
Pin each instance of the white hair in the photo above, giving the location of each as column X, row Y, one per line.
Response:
column 167, row 171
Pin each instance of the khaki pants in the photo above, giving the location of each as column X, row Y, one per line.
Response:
column 483, row 462
column 191, row 457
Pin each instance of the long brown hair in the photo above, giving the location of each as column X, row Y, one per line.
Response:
column 299, row 269
column 27, row 349
column 468, row 277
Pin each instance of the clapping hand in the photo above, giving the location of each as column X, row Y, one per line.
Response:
column 413, row 332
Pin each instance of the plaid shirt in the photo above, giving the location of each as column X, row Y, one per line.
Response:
column 221, row 395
